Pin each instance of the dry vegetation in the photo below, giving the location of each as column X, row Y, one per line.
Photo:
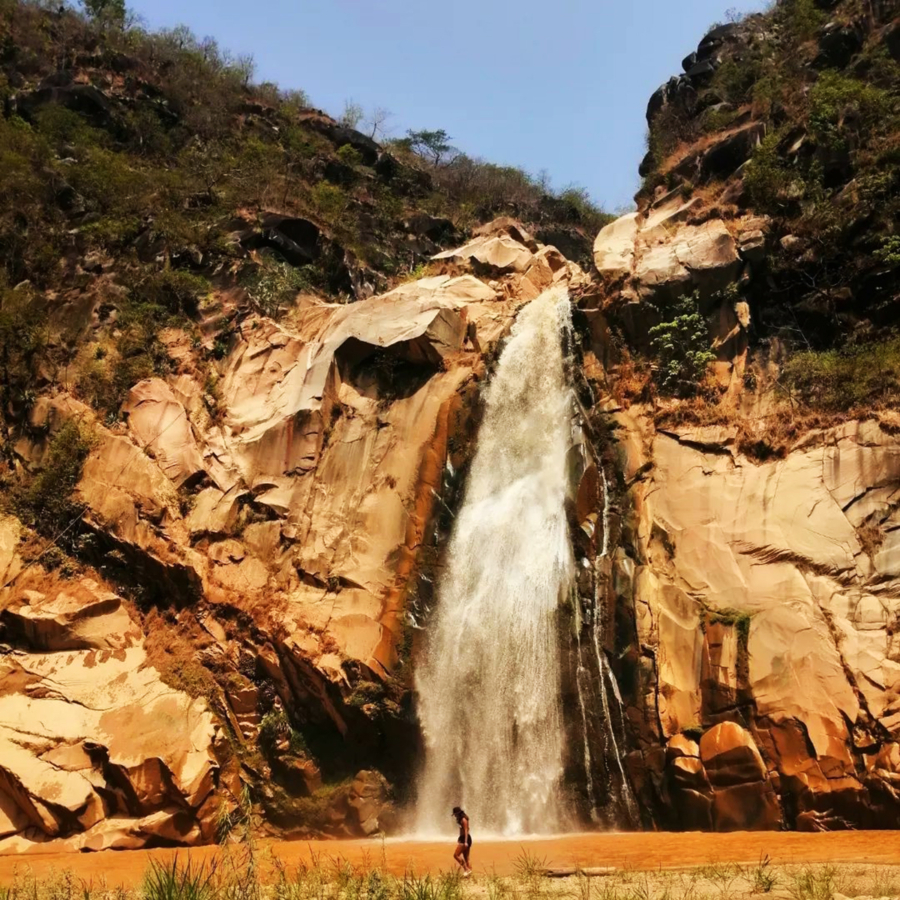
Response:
column 826, row 173
column 245, row 873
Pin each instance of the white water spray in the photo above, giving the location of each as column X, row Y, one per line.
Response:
column 489, row 690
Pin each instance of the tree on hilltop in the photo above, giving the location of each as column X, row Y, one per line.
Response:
column 432, row 144
column 106, row 10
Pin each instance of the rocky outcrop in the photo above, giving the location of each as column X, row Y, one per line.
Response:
column 765, row 618
column 677, row 247
column 95, row 749
column 296, row 497
column 673, row 248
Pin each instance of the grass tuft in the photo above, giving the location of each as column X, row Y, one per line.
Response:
column 179, row 881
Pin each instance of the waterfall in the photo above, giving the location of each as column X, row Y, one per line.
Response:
column 489, row 688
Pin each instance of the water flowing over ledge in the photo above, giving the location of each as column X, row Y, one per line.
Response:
column 489, row 688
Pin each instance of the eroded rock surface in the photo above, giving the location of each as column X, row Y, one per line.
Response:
column 767, row 622
column 94, row 747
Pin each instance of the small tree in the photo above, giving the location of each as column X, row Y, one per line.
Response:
column 112, row 11
column 352, row 114
column 681, row 347
column 432, row 144
column 376, row 122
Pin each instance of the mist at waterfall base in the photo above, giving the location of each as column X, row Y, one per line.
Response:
column 489, row 688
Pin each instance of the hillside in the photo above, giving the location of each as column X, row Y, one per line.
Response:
column 243, row 357
column 792, row 116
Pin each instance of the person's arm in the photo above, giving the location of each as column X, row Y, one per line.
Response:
column 465, row 825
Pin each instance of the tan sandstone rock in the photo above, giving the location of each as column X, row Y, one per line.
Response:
column 89, row 732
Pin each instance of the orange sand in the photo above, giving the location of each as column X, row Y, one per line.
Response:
column 638, row 851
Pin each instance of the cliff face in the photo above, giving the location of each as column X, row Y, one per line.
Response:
column 232, row 457
column 286, row 532
column 753, row 578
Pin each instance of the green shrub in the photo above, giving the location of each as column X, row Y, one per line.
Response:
column 65, row 129
column 716, row 120
column 680, row 345
column 154, row 301
column 365, row 693
column 176, row 292
column 45, row 503
column 109, row 182
column 275, row 285
column 180, row 670
column 802, row 19
column 860, row 377
column 840, row 107
column 314, row 811
column 31, row 236
column 734, row 80
column 769, row 182
column 23, row 343
column 889, row 252
column 329, row 200
column 350, row 155
column 274, row 726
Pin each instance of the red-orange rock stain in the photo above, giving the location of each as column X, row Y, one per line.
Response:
column 633, row 851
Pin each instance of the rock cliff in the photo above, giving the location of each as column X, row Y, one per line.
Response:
column 285, row 531
column 750, row 567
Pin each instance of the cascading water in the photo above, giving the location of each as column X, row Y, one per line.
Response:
column 592, row 677
column 603, row 665
column 489, row 689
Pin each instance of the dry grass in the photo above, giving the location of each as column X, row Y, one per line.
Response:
column 233, row 877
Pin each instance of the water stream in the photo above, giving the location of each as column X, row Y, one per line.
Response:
column 489, row 688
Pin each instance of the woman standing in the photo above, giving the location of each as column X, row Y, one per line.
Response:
column 464, row 841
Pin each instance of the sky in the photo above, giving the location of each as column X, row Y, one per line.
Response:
column 558, row 86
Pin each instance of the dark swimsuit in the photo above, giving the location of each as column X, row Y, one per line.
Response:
column 462, row 837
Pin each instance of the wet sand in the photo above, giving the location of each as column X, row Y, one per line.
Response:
column 644, row 851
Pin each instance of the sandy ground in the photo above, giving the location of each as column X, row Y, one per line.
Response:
column 645, row 851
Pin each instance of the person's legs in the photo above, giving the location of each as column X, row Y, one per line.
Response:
column 460, row 856
column 466, row 852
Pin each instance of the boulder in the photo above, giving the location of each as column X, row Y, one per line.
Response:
column 746, row 807
column 506, row 226
column 435, row 228
column 81, row 616
column 794, row 649
column 215, row 512
column 678, row 92
column 728, row 154
column 134, row 506
column 717, row 38
column 10, row 562
column 298, row 240
column 85, row 99
column 891, row 39
column 730, row 756
column 752, row 246
column 614, row 247
column 498, row 254
column 369, row 801
column 702, row 256
column 838, row 44
column 341, row 136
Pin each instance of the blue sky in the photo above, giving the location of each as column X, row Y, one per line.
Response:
column 557, row 86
